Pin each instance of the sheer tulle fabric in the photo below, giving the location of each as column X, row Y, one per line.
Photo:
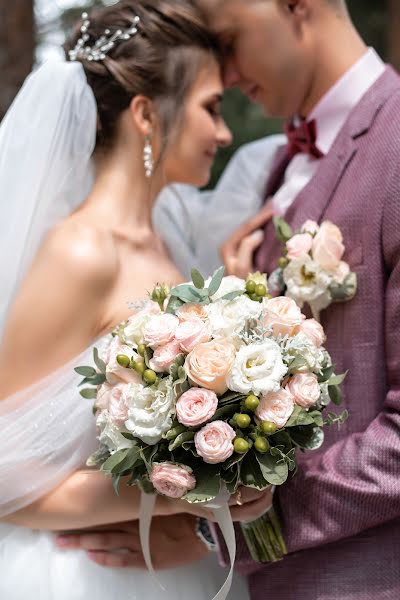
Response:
column 47, row 432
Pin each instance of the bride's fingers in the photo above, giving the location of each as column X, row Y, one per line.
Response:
column 117, row 560
column 253, row 510
column 104, row 540
column 244, row 496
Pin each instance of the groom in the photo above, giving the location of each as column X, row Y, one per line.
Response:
column 303, row 58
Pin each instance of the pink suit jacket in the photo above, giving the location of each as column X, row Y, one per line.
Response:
column 341, row 512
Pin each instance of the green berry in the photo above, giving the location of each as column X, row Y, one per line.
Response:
column 150, row 376
column 250, row 287
column 141, row 349
column 261, row 290
column 140, row 367
column 283, row 262
column 243, row 421
column 254, row 297
column 123, row 360
column 251, row 402
column 261, row 444
column 240, row 445
column 268, row 427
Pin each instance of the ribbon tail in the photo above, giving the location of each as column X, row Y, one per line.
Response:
column 147, row 503
column 223, row 517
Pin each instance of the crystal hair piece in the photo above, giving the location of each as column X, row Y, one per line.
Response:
column 103, row 45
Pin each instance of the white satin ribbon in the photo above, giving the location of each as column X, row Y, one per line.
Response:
column 222, row 516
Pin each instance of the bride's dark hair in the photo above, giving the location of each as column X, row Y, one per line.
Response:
column 160, row 62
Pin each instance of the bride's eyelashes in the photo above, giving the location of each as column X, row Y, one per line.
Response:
column 214, row 110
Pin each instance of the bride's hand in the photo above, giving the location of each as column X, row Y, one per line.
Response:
column 237, row 252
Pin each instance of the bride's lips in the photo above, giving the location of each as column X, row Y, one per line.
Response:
column 252, row 92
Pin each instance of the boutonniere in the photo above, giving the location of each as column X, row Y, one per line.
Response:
column 311, row 269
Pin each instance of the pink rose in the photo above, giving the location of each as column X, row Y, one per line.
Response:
column 209, row 363
column 114, row 372
column 283, row 315
column 276, row 407
column 310, row 226
column 196, row 406
column 172, row 480
column 160, row 330
column 305, row 389
column 190, row 311
column 214, row 442
column 328, row 248
column 314, row 331
column 299, row 245
column 164, row 356
column 190, row 333
column 109, row 397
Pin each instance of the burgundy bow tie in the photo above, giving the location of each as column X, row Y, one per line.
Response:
column 301, row 138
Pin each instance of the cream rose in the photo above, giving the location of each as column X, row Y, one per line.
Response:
column 164, row 356
column 190, row 311
column 160, row 330
column 110, row 397
column 306, row 281
column 133, row 331
column 328, row 248
column 314, row 331
column 227, row 318
column 214, row 442
column 196, row 406
column 209, row 364
column 276, row 407
column 283, row 315
column 257, row 368
column 299, row 245
column 172, row 480
column 305, row 389
column 190, row 333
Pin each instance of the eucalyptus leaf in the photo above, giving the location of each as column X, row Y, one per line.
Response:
column 251, row 474
column 216, row 281
column 97, row 379
column 282, row 229
column 173, row 305
column 335, row 394
column 274, row 471
column 198, row 279
column 174, row 432
column 100, row 364
column 337, row 379
column 325, row 375
column 114, row 460
column 233, row 295
column 147, row 454
column 115, row 482
column 208, row 485
column 129, row 461
column 148, row 355
column 85, row 371
column 178, row 441
column 88, row 393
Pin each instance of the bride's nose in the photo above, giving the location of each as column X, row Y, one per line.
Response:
column 224, row 135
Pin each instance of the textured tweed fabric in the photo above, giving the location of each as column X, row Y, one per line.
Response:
column 341, row 512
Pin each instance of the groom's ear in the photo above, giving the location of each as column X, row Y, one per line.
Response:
column 143, row 114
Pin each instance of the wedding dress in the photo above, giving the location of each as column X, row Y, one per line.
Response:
column 48, row 431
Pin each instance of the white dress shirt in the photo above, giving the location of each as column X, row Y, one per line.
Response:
column 330, row 115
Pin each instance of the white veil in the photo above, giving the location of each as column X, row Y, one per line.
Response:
column 46, row 143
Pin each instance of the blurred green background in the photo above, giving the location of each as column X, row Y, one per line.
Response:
column 31, row 30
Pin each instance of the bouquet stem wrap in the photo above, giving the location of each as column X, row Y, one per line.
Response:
column 223, row 518
column 264, row 538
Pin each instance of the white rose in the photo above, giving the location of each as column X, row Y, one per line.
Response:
column 150, row 410
column 228, row 317
column 257, row 368
column 229, row 284
column 110, row 435
column 307, row 282
column 160, row 329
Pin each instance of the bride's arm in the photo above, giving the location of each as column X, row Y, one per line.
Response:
column 87, row 499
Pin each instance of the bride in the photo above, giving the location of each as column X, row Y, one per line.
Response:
column 84, row 151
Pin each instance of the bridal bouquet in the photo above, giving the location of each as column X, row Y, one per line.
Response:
column 212, row 385
column 312, row 270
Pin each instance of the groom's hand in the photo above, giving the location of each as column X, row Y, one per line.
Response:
column 173, row 543
column 237, row 252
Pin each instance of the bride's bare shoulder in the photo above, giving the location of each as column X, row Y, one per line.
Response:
column 82, row 251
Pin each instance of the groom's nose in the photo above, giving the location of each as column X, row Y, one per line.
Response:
column 224, row 135
column 231, row 76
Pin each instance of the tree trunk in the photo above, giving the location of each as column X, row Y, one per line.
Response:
column 393, row 33
column 17, row 46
